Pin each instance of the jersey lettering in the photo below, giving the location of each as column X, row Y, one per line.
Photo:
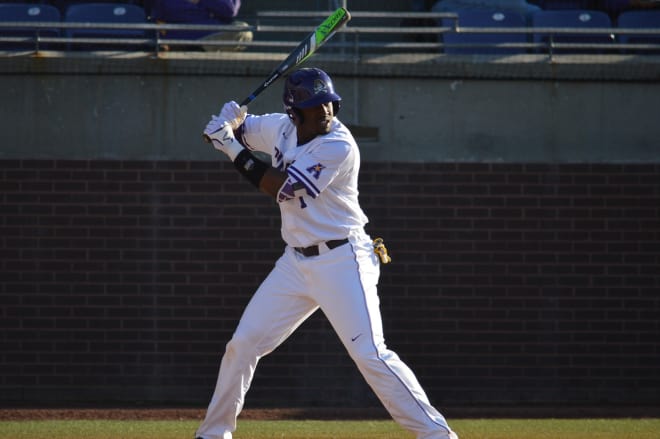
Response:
column 277, row 154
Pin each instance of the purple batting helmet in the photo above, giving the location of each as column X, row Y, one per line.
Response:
column 307, row 88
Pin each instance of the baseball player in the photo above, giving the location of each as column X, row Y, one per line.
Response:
column 329, row 261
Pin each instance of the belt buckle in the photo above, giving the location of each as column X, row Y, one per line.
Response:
column 321, row 248
column 312, row 250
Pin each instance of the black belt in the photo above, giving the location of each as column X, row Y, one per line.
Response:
column 313, row 250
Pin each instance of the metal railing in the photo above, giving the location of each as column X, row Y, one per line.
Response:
column 356, row 39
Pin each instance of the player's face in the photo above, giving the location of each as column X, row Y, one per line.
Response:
column 316, row 120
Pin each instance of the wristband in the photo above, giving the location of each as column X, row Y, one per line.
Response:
column 250, row 167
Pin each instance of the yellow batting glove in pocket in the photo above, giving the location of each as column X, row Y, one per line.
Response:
column 381, row 251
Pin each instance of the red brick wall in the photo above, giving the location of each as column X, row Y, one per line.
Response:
column 511, row 283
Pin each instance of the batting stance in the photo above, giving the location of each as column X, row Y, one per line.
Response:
column 328, row 263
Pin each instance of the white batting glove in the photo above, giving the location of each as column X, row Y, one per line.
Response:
column 221, row 134
column 233, row 114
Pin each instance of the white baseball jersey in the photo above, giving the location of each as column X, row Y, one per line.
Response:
column 323, row 205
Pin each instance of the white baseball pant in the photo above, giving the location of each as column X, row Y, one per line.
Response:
column 342, row 282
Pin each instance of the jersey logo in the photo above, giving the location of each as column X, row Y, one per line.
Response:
column 316, row 170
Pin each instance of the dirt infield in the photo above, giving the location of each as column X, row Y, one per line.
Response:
column 148, row 414
column 111, row 414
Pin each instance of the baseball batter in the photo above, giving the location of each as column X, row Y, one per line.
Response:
column 329, row 261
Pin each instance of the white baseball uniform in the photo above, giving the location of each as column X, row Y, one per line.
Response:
column 318, row 203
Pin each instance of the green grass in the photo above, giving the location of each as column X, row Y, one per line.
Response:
column 250, row 429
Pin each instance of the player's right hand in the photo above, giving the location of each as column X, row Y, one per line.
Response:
column 233, row 114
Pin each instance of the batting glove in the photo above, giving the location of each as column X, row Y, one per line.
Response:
column 233, row 114
column 221, row 134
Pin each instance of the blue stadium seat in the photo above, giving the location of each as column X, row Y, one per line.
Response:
column 29, row 12
column 119, row 13
column 566, row 4
column 483, row 18
column 639, row 20
column 582, row 19
column 63, row 5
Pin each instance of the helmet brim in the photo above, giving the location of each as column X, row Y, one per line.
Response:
column 319, row 100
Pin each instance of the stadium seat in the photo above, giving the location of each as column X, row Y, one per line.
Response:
column 639, row 20
column 582, row 19
column 119, row 13
column 483, row 18
column 566, row 4
column 29, row 12
column 63, row 5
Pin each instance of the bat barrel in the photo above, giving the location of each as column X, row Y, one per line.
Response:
column 306, row 48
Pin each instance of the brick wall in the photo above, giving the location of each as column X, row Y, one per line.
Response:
column 511, row 283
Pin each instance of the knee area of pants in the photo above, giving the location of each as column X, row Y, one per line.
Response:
column 238, row 344
column 374, row 359
column 366, row 356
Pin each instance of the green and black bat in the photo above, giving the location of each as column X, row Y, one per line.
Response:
column 304, row 50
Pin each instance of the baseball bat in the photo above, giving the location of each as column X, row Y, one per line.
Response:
column 304, row 50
